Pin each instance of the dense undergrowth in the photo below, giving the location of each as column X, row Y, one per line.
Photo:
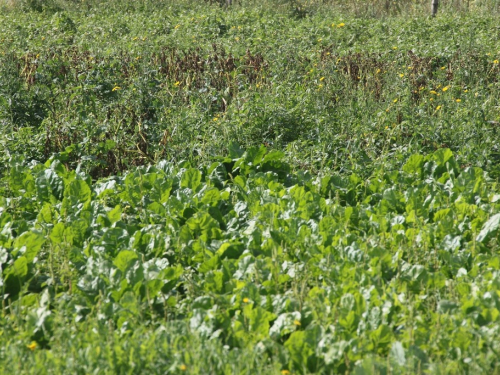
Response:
column 123, row 85
column 144, row 227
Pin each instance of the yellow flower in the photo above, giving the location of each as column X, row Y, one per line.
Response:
column 297, row 322
column 446, row 88
column 443, row 67
column 333, row 25
column 177, row 26
column 246, row 300
column 495, row 61
column 216, row 119
column 116, row 88
column 431, row 99
column 395, row 100
column 438, row 108
column 394, row 47
column 237, row 39
column 320, row 86
column 322, row 78
column 177, row 83
column 378, row 71
column 285, row 372
column 458, row 100
column 183, row 367
column 342, row 24
column 32, row 346
column 135, row 38
column 401, row 75
column 320, row 39
column 466, row 90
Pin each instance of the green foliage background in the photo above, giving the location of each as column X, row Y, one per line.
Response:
column 144, row 227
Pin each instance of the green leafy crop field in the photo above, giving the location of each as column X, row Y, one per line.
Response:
column 271, row 187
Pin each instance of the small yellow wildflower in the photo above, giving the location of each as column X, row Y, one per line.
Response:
column 285, row 372
column 401, row 75
column 342, row 24
column 297, row 323
column 433, row 92
column 237, row 39
column 458, row 100
column 443, row 67
column 387, row 127
column 32, row 346
column 135, row 38
column 322, row 79
column 333, row 25
column 246, row 300
column 495, row 61
column 116, row 88
column 378, row 71
column 183, row 367
column 320, row 86
column 177, row 83
column 446, row 88
column 320, row 39
column 43, row 38
column 394, row 47
column 395, row 100
column 177, row 26
column 438, row 108
column 431, row 99
column 216, row 119
column 466, row 90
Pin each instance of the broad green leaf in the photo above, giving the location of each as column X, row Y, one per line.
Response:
column 19, row 268
column 115, row 214
column 57, row 234
column 258, row 319
column 489, row 229
column 33, row 241
column 442, row 155
column 79, row 190
column 191, row 179
column 414, row 164
column 124, row 259
column 234, row 150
